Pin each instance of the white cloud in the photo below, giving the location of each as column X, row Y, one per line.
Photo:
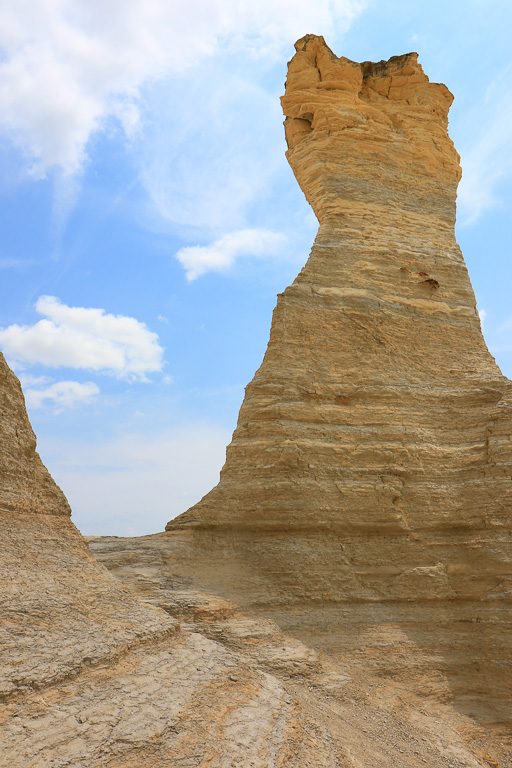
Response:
column 482, row 315
column 213, row 145
column 27, row 380
column 221, row 255
column 66, row 65
column 63, row 394
column 87, row 338
column 134, row 484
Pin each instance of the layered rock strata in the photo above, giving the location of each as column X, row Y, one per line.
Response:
column 367, row 491
column 92, row 675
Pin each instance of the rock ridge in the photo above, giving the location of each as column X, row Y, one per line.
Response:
column 25, row 484
column 61, row 611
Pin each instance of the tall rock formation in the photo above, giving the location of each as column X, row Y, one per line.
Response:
column 376, row 405
column 371, row 466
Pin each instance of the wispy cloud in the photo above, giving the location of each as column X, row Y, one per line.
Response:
column 487, row 160
column 63, row 394
column 506, row 326
column 11, row 263
column 221, row 255
column 65, row 67
column 86, row 338
column 211, row 149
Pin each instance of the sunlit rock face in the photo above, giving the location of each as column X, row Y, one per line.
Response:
column 372, row 460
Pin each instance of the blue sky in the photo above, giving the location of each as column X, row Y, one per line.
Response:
column 149, row 217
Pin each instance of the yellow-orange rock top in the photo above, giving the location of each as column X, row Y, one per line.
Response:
column 390, row 122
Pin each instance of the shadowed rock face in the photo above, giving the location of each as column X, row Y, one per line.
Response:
column 372, row 460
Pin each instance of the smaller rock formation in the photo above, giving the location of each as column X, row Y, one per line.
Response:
column 60, row 610
column 25, row 484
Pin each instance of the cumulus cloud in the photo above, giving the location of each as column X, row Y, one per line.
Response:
column 87, row 338
column 221, row 255
column 63, row 394
column 67, row 66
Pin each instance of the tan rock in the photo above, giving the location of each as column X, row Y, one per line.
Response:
column 60, row 611
column 91, row 676
column 25, row 484
column 366, row 498
column 336, row 711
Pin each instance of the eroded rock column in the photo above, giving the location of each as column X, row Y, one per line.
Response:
column 372, row 460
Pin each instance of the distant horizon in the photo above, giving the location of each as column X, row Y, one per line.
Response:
column 150, row 218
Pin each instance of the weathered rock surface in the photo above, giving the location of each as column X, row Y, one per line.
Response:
column 25, row 484
column 331, row 715
column 366, row 499
column 91, row 675
column 59, row 609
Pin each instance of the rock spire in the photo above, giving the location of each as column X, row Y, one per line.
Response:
column 378, row 410
column 372, row 459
